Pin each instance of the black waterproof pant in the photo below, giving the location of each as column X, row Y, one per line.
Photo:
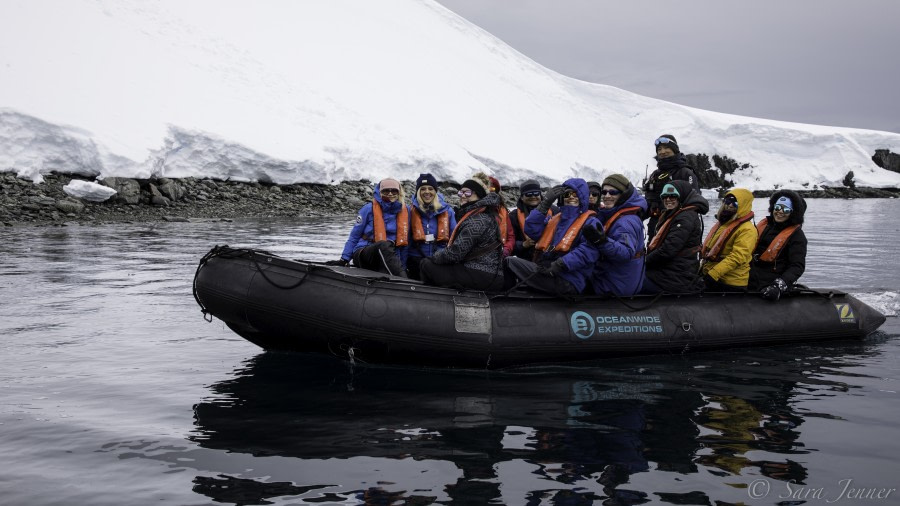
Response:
column 379, row 256
column 529, row 274
column 459, row 276
column 717, row 286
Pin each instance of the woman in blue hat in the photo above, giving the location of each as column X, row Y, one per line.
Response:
column 779, row 258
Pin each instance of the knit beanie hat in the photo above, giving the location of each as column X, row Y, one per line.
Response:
column 495, row 185
column 426, row 180
column 594, row 184
column 479, row 183
column 530, row 186
column 667, row 140
column 389, row 184
column 786, row 202
column 669, row 190
column 617, row 181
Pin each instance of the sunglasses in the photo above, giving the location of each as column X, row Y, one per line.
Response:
column 532, row 194
column 464, row 193
column 595, row 194
column 610, row 192
column 783, row 208
column 390, row 191
column 670, row 196
column 663, row 140
column 570, row 195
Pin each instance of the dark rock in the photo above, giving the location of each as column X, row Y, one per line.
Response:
column 887, row 160
column 171, row 189
column 128, row 191
column 159, row 201
column 70, row 206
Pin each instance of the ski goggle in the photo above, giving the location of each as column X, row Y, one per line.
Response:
column 663, row 140
column 782, row 208
column 532, row 194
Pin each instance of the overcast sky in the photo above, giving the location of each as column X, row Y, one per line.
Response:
column 829, row 62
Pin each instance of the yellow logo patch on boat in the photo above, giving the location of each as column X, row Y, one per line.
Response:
column 845, row 312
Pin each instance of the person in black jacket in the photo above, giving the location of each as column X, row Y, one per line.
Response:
column 779, row 258
column 530, row 196
column 671, row 165
column 672, row 262
column 472, row 258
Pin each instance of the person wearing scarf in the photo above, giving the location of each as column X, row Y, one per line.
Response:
column 671, row 165
column 726, row 253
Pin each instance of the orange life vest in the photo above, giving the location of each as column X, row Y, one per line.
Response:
column 711, row 253
column 621, row 212
column 625, row 211
column 521, row 218
column 664, row 229
column 567, row 240
column 443, row 227
column 500, row 233
column 777, row 244
column 402, row 237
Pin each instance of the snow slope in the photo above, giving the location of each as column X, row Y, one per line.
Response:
column 315, row 91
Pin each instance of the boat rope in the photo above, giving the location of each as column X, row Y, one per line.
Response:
column 217, row 251
column 262, row 272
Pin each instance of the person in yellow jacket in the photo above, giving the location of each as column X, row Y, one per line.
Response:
column 728, row 247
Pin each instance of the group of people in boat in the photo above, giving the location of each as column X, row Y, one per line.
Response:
column 583, row 237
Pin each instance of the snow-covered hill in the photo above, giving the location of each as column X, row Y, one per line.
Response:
column 288, row 91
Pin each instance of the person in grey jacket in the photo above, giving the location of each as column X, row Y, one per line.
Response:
column 473, row 257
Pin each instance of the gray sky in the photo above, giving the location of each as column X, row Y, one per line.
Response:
column 829, row 62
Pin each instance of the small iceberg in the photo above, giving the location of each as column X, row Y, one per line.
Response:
column 88, row 190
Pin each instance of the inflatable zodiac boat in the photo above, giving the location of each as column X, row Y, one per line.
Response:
column 366, row 316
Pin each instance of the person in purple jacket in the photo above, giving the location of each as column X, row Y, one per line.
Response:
column 380, row 239
column 619, row 270
column 563, row 259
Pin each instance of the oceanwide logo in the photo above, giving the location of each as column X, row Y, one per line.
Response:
column 585, row 325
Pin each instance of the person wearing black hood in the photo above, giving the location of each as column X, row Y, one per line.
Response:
column 673, row 260
column 530, row 196
column 594, row 188
column 671, row 165
column 779, row 258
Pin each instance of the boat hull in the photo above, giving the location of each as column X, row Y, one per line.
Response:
column 369, row 317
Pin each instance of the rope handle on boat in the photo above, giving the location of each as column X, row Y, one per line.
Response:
column 262, row 272
column 215, row 252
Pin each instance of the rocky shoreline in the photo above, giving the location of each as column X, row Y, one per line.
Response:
column 46, row 204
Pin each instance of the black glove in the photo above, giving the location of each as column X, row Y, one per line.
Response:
column 594, row 234
column 341, row 262
column 550, row 197
column 557, row 266
column 773, row 292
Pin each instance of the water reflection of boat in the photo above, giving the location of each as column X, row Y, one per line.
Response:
column 569, row 430
column 362, row 315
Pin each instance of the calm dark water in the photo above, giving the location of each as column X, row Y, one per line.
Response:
column 114, row 390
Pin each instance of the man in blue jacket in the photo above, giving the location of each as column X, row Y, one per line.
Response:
column 620, row 239
column 563, row 259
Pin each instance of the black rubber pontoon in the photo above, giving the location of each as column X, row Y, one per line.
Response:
column 366, row 316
